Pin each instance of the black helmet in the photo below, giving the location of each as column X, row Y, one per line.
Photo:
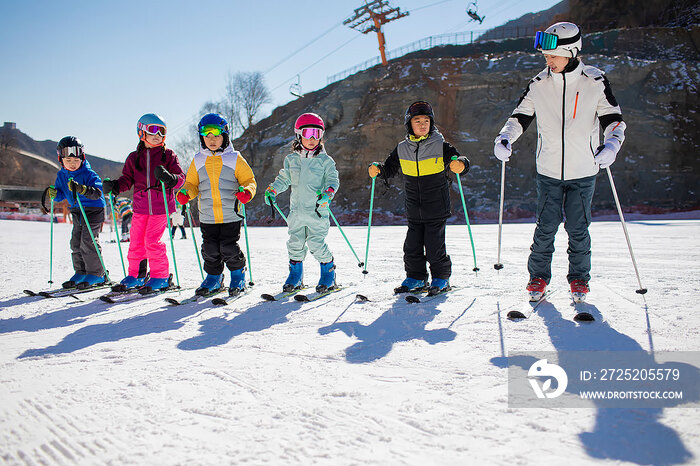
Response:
column 420, row 107
column 69, row 146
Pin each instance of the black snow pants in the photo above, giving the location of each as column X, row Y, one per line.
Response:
column 425, row 241
column 86, row 260
column 220, row 246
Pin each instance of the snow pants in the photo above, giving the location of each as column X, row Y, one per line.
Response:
column 558, row 200
column 220, row 246
column 146, row 243
column 126, row 224
column 85, row 258
column 308, row 229
column 425, row 241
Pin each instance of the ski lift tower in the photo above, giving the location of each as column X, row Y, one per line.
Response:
column 371, row 16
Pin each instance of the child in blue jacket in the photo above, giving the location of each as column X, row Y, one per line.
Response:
column 76, row 178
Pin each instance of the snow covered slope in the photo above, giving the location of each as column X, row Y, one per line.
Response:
column 336, row 381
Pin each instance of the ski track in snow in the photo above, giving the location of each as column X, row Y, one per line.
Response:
column 337, row 381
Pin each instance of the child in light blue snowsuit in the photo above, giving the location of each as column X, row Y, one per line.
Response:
column 313, row 179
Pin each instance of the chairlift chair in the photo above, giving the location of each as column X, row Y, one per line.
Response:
column 472, row 11
column 295, row 88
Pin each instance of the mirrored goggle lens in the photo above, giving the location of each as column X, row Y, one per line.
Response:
column 545, row 41
column 154, row 129
column 420, row 108
column 311, row 133
column 211, row 129
column 71, row 152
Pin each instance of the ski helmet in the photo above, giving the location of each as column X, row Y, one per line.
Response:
column 420, row 107
column 213, row 121
column 150, row 123
column 560, row 39
column 308, row 120
column 70, row 146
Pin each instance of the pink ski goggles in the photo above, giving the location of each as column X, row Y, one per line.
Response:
column 310, row 132
column 153, row 129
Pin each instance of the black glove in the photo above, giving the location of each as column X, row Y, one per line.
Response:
column 110, row 186
column 168, row 179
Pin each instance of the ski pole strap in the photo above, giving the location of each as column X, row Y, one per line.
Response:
column 114, row 219
column 167, row 218
column 92, row 237
column 194, row 240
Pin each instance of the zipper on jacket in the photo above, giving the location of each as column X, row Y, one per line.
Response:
column 148, row 180
column 563, row 123
column 418, row 180
column 575, row 105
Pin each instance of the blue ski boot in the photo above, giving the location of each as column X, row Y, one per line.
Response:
column 327, row 280
column 237, row 281
column 438, row 285
column 211, row 283
column 411, row 284
column 133, row 282
column 91, row 280
column 73, row 281
column 156, row 284
column 295, row 278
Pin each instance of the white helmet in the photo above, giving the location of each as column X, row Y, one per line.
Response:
column 561, row 39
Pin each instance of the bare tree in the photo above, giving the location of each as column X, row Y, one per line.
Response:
column 245, row 93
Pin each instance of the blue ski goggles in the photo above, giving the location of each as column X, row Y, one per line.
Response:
column 545, row 41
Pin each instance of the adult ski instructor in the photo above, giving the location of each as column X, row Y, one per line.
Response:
column 570, row 100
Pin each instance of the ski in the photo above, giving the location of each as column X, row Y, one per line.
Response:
column 282, row 295
column 307, row 298
column 133, row 296
column 67, row 292
column 582, row 315
column 224, row 300
column 517, row 315
column 195, row 298
column 413, row 297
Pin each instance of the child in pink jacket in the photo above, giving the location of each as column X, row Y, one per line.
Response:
column 144, row 170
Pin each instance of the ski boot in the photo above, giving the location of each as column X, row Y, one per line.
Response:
column 156, row 284
column 536, row 288
column 73, row 281
column 296, row 275
column 579, row 290
column 237, row 282
column 327, row 280
column 91, row 280
column 211, row 283
column 438, row 285
column 411, row 284
column 130, row 282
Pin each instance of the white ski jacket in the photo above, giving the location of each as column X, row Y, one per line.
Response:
column 569, row 107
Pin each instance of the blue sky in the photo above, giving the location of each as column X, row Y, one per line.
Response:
column 92, row 68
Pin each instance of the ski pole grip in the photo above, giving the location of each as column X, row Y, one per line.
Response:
column 454, row 157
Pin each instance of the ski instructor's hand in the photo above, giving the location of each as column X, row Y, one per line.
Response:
column 502, row 149
column 605, row 155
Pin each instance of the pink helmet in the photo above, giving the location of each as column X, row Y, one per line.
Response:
column 308, row 119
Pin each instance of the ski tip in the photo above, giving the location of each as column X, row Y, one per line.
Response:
column 219, row 302
column 362, row 298
column 29, row 292
column 584, row 317
column 412, row 299
column 267, row 297
column 172, row 301
column 302, row 298
column 106, row 299
column 516, row 315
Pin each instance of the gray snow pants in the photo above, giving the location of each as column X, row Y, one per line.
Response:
column 85, row 257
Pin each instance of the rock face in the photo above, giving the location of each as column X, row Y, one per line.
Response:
column 653, row 73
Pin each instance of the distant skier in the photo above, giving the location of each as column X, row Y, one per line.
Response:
column 143, row 170
column 570, row 100
column 177, row 220
column 126, row 213
column 76, row 178
column 424, row 157
column 215, row 176
column 308, row 171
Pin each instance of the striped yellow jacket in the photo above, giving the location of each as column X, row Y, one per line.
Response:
column 215, row 178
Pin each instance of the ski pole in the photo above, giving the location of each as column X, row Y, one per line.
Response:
column 369, row 222
column 167, row 218
column 641, row 289
column 359, row 263
column 498, row 265
column 87, row 224
column 114, row 218
column 274, row 204
column 466, row 216
column 51, row 246
column 247, row 247
column 194, row 240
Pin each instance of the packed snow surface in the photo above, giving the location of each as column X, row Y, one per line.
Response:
column 337, row 381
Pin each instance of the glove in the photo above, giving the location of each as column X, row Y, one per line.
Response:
column 52, row 191
column 182, row 197
column 325, row 197
column 270, row 195
column 110, row 186
column 457, row 166
column 168, row 179
column 605, row 155
column 76, row 187
column 244, row 196
column 374, row 170
column 502, row 149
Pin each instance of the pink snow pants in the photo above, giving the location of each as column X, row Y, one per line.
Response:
column 145, row 243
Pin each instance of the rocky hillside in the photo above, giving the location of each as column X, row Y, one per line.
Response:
column 654, row 73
